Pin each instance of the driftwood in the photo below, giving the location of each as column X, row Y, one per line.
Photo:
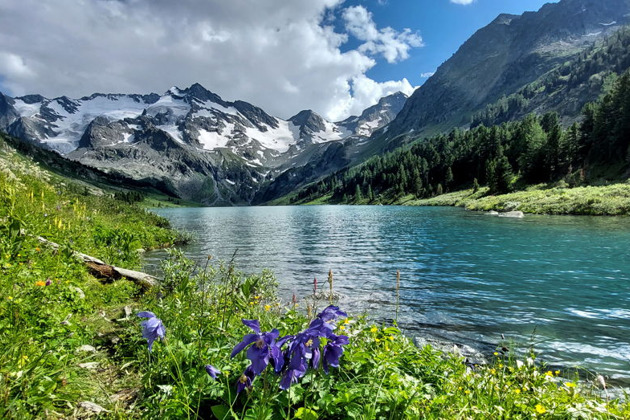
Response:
column 105, row 271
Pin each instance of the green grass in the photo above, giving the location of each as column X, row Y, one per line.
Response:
column 608, row 200
column 67, row 339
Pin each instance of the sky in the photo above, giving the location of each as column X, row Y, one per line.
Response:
column 336, row 57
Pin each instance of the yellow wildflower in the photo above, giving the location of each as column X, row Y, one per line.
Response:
column 467, row 392
column 391, row 338
column 557, row 372
column 569, row 385
column 378, row 340
column 496, row 353
column 267, row 308
column 549, row 373
column 9, row 297
column 373, row 329
column 517, row 391
column 40, row 283
column 341, row 327
column 493, row 371
column 540, row 409
column 346, row 321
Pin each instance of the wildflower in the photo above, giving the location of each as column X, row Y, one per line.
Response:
column 331, row 313
column 557, row 372
column 549, row 373
column 333, row 351
column 263, row 350
column 346, row 321
column 517, row 391
column 48, row 281
column 391, row 338
column 245, row 380
column 540, row 409
column 40, row 283
column 467, row 392
column 493, row 371
column 341, row 327
column 212, row 371
column 9, row 297
column 152, row 327
column 496, row 353
column 267, row 308
column 569, row 384
column 295, row 370
column 373, row 330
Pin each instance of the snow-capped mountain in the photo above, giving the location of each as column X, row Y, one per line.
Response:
column 183, row 134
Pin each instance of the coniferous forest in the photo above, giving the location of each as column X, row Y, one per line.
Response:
column 505, row 157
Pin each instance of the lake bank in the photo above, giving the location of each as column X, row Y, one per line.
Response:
column 609, row 200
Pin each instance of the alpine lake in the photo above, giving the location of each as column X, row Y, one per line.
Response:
column 559, row 285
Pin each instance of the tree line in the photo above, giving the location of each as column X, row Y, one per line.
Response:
column 505, row 157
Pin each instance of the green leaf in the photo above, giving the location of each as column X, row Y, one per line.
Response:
column 306, row 414
column 221, row 412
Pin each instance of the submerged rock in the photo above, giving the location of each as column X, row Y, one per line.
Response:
column 514, row 214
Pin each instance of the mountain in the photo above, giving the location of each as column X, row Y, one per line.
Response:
column 501, row 58
column 204, row 148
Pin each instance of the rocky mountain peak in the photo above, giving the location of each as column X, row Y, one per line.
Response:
column 308, row 119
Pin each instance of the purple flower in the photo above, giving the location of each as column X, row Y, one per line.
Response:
column 295, row 369
column 331, row 313
column 333, row 351
column 152, row 328
column 212, row 371
column 263, row 350
column 245, row 381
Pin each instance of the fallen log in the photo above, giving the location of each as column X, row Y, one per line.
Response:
column 109, row 272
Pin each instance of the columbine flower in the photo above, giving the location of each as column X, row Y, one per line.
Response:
column 152, row 327
column 295, row 370
column 245, row 381
column 263, row 350
column 333, row 351
column 212, row 371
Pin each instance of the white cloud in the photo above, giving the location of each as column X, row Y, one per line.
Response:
column 464, row 2
column 281, row 55
column 367, row 92
column 427, row 74
column 393, row 45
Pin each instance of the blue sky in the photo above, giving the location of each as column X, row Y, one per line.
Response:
column 336, row 57
column 443, row 26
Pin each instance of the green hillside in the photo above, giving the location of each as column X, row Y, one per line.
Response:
column 506, row 158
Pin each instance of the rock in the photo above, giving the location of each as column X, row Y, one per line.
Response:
column 80, row 292
column 492, row 213
column 86, row 348
column 514, row 214
column 472, row 356
column 92, row 407
column 89, row 365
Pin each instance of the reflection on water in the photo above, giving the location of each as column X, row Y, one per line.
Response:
column 560, row 283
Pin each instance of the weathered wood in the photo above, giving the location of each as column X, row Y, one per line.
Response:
column 102, row 270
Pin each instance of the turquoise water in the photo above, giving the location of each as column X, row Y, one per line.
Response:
column 560, row 283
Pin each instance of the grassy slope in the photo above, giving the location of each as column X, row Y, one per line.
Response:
column 70, row 343
column 42, row 327
column 540, row 199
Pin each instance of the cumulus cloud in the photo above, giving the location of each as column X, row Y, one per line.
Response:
column 281, row 55
column 462, row 1
column 391, row 44
column 427, row 74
